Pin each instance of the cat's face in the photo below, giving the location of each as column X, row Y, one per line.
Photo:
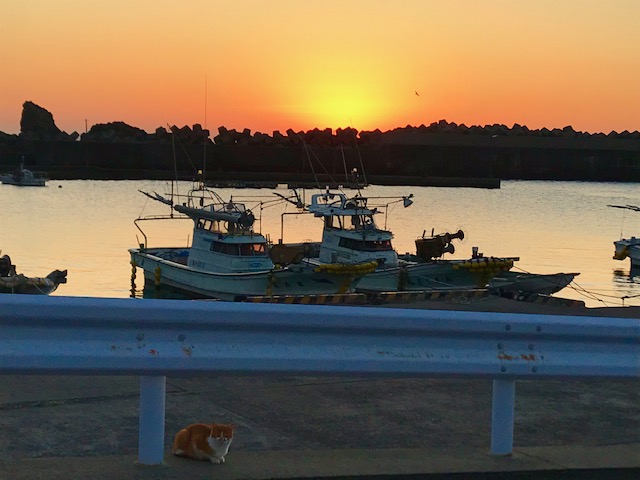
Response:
column 222, row 433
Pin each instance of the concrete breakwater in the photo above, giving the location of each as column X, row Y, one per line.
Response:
column 451, row 157
column 441, row 154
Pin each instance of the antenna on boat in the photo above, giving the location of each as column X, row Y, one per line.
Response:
column 364, row 175
column 204, row 160
column 344, row 164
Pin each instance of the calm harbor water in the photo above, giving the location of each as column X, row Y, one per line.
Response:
column 86, row 227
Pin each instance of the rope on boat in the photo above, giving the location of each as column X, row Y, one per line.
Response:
column 595, row 296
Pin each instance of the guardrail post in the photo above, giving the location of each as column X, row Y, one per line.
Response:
column 502, row 415
column 151, row 428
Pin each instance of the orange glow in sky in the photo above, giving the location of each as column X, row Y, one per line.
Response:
column 293, row 64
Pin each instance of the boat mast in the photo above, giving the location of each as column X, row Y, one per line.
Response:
column 204, row 160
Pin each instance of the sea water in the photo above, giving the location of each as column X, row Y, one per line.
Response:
column 86, row 227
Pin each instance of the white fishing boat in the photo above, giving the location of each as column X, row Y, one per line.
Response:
column 23, row 177
column 228, row 260
column 628, row 247
column 350, row 235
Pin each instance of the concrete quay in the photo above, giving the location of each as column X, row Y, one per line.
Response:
column 72, row 427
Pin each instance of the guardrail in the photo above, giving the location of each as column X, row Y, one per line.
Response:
column 159, row 338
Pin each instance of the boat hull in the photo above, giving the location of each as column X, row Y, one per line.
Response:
column 167, row 266
column 9, row 180
column 438, row 275
column 511, row 284
column 21, row 284
column 628, row 247
column 444, row 275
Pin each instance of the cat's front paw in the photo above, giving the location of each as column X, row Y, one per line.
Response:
column 216, row 460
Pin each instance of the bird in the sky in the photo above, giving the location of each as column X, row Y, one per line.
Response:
column 417, row 93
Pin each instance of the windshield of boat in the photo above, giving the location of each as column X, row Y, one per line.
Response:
column 219, row 226
column 240, row 249
column 366, row 245
column 350, row 222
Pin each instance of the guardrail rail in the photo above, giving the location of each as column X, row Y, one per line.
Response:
column 158, row 338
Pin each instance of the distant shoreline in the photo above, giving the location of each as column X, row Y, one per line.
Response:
column 441, row 154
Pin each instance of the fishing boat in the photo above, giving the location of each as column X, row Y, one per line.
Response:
column 229, row 260
column 350, row 235
column 628, row 247
column 23, row 177
column 12, row 282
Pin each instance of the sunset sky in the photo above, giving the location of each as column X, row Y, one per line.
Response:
column 279, row 64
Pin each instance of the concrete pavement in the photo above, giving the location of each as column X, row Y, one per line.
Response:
column 288, row 427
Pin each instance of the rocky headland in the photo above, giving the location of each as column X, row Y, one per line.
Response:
column 406, row 155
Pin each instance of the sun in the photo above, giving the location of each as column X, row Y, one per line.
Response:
column 342, row 105
column 337, row 98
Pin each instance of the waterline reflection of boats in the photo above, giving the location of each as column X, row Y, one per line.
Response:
column 228, row 260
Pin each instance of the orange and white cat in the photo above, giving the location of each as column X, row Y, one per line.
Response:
column 204, row 442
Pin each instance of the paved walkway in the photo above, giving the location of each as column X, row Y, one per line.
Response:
column 289, row 426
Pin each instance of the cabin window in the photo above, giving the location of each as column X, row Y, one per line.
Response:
column 242, row 249
column 224, row 248
column 366, row 245
column 252, row 249
column 335, row 222
column 208, row 225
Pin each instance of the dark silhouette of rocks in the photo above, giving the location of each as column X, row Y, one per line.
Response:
column 406, row 154
column 37, row 123
column 114, row 132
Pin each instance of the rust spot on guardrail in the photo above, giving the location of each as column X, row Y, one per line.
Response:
column 527, row 357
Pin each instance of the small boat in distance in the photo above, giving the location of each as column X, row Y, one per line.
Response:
column 228, row 260
column 12, row 282
column 628, row 247
column 23, row 177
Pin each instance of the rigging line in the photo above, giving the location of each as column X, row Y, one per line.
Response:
column 175, row 163
column 204, row 150
column 326, row 171
column 344, row 163
column 592, row 296
column 313, row 171
column 183, row 149
column 315, row 176
column 355, row 141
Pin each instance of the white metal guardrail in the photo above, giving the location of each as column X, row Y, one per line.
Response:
column 159, row 338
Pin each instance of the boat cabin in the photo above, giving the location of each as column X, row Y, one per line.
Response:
column 350, row 233
column 224, row 240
